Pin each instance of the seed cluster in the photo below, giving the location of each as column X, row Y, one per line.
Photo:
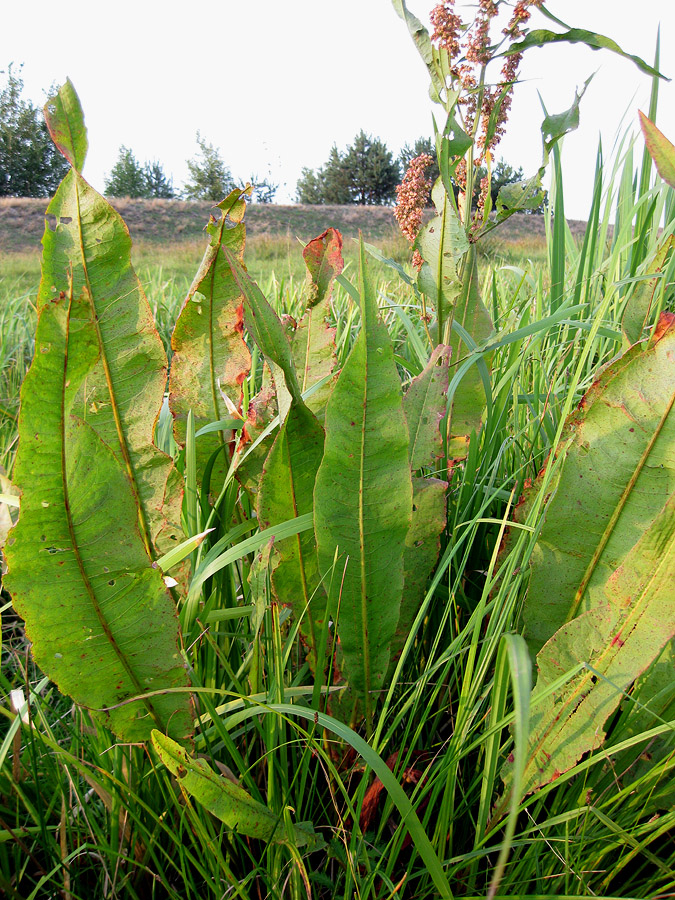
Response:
column 411, row 198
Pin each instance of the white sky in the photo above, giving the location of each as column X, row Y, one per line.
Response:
column 274, row 83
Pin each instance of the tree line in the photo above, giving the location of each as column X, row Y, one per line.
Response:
column 366, row 172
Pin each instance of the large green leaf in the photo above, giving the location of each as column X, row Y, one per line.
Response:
column 229, row 802
column 210, row 356
column 363, row 500
column 101, row 622
column 618, row 472
column 600, row 598
column 424, row 405
column 614, row 642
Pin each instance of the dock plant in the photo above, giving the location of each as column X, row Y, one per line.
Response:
column 363, row 597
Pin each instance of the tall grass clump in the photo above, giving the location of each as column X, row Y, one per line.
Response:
column 369, row 593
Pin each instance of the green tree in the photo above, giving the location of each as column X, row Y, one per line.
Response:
column 264, row 189
column 365, row 173
column 210, row 179
column 127, row 177
column 30, row 165
column 309, row 188
column 371, row 171
column 334, row 180
column 156, row 182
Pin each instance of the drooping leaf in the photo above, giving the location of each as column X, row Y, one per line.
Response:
column 93, row 512
column 210, row 356
column 424, row 405
column 615, row 640
column 363, row 500
column 540, row 37
column 618, row 471
column 660, row 149
column 530, row 193
column 641, row 303
column 425, row 48
column 229, row 802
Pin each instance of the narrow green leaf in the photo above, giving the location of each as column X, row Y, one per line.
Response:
column 617, row 474
column 178, row 554
column 93, row 509
column 229, row 802
column 424, row 405
column 363, row 499
column 210, row 357
column 660, row 149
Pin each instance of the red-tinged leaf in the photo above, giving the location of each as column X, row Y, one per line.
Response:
column 615, row 640
column 248, row 458
column 660, row 150
column 210, row 356
column 600, row 598
column 323, row 258
column 618, row 471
